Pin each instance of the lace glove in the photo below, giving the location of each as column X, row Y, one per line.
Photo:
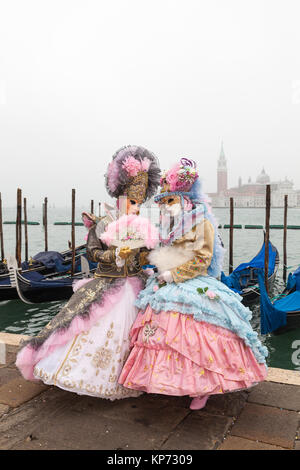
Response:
column 165, row 277
column 149, row 271
column 119, row 261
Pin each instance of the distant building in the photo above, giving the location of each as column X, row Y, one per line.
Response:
column 222, row 172
column 251, row 194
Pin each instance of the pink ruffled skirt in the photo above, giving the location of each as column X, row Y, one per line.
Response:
column 174, row 354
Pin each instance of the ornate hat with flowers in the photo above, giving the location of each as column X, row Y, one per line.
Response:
column 134, row 172
column 182, row 179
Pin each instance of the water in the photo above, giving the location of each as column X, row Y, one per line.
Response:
column 246, row 245
column 17, row 317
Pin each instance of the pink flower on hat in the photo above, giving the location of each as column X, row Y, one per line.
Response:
column 131, row 166
column 172, row 177
column 181, row 176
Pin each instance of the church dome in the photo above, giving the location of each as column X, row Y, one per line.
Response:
column 263, row 178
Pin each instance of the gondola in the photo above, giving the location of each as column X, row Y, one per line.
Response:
column 244, row 279
column 284, row 313
column 34, row 287
column 44, row 264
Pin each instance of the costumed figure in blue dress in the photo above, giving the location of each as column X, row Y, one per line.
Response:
column 192, row 335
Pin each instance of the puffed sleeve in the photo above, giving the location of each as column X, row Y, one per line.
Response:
column 203, row 249
column 95, row 249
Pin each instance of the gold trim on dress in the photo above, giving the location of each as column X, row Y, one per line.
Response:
column 203, row 235
column 66, row 357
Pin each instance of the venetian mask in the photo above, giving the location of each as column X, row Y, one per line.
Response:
column 132, row 207
column 171, row 205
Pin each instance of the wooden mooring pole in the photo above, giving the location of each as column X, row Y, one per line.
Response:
column 1, row 231
column 92, row 206
column 25, row 229
column 45, row 222
column 231, row 235
column 18, row 227
column 99, row 209
column 285, row 237
column 267, row 234
column 73, row 233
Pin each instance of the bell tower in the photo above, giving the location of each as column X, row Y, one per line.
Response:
column 222, row 172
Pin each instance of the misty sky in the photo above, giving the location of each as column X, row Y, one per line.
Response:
column 79, row 79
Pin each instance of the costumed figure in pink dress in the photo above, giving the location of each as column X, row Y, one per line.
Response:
column 192, row 335
column 85, row 345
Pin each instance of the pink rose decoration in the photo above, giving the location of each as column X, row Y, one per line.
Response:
column 172, row 177
column 180, row 177
column 155, row 288
column 131, row 166
column 212, row 295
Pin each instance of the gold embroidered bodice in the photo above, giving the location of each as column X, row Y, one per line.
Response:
column 201, row 241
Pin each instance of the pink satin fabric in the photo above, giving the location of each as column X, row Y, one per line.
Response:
column 174, row 354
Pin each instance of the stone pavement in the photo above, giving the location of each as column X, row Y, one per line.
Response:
column 34, row 416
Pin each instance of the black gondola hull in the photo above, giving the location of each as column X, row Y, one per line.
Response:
column 253, row 295
column 292, row 323
column 8, row 293
column 49, row 294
